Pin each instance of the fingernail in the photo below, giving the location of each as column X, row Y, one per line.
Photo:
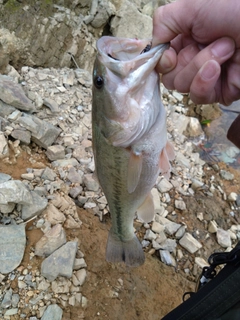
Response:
column 221, row 48
column 209, row 70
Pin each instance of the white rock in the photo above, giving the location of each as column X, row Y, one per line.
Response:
column 180, row 204
column 201, row 262
column 167, row 258
column 223, row 238
column 164, row 185
column 190, row 243
column 157, row 227
column 212, row 226
column 232, row 197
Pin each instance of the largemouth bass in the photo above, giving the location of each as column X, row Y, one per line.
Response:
column 129, row 137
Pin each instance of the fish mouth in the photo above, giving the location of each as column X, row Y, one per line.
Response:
column 124, row 49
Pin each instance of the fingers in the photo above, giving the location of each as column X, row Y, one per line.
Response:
column 167, row 62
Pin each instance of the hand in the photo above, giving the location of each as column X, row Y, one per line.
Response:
column 204, row 58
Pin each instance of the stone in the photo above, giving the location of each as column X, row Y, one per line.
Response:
column 65, row 163
column 7, row 208
column 167, row 258
column 180, row 122
column 15, row 191
column 53, row 215
column 156, row 201
column 53, row 312
column 51, row 104
column 164, row 185
column 224, row 238
column 75, row 177
column 201, row 262
column 157, row 227
column 180, row 233
column 170, row 227
column 12, row 246
column 196, row 184
column 180, row 204
column 43, row 133
column 81, row 276
column 130, row 23
column 13, row 94
column 71, row 223
column 212, row 226
column 15, row 300
column 169, row 245
column 4, row 150
column 23, row 135
column 79, row 264
column 182, row 160
column 60, row 262
column 11, row 312
column 48, row 174
column 226, row 175
column 7, row 299
column 90, row 182
column 232, row 197
column 55, row 152
column 4, row 177
column 194, row 128
column 37, row 206
column 189, row 243
column 149, row 235
column 50, row 241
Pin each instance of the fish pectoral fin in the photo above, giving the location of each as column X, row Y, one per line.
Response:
column 134, row 171
column 164, row 164
column 146, row 210
column 170, row 151
column 129, row 251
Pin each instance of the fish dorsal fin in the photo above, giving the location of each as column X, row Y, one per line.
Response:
column 164, row 164
column 134, row 171
column 146, row 210
column 170, row 151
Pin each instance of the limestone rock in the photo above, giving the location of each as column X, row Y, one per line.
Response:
column 164, row 185
column 12, row 244
column 190, row 243
column 37, row 206
column 130, row 23
column 60, row 262
column 167, row 258
column 55, row 152
column 50, row 241
column 53, row 312
column 15, row 191
column 224, row 238
column 13, row 94
column 53, row 215
column 4, row 151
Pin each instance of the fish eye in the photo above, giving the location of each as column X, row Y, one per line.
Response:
column 98, row 82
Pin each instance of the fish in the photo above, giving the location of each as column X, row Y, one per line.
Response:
column 129, row 138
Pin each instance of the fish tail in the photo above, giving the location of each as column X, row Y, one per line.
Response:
column 130, row 252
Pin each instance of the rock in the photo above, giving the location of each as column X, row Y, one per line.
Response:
column 105, row 10
column 180, row 204
column 149, row 235
column 90, row 182
column 77, row 177
column 7, row 299
column 226, row 175
column 210, row 111
column 164, row 186
column 180, row 233
column 12, row 244
column 190, row 243
column 4, row 177
column 4, row 151
column 196, row 184
column 79, row 264
column 65, row 163
column 23, row 135
column 201, row 262
column 212, row 226
column 13, row 94
column 60, row 262
column 71, row 223
column 50, row 241
column 48, row 174
column 223, row 238
column 169, row 245
column 130, row 23
column 169, row 226
column 51, row 104
column 53, row 312
column 15, row 191
column 180, row 122
column 53, row 215
column 7, row 208
column 194, row 128
column 37, row 206
column 157, row 203
column 157, row 227
column 167, row 258
column 182, row 160
column 42, row 133
column 232, row 197
column 81, row 276
column 55, row 152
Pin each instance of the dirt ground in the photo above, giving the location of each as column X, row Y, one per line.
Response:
column 115, row 292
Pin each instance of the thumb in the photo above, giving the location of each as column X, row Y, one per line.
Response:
column 171, row 19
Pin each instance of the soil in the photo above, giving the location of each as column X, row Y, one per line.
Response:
column 116, row 292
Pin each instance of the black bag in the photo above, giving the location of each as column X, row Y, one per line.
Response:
column 218, row 296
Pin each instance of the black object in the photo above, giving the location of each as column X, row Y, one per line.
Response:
column 218, row 296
